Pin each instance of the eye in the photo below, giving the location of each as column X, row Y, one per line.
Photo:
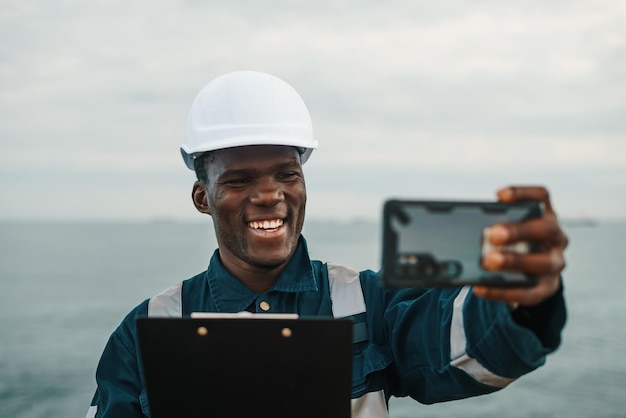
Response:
column 288, row 175
column 235, row 181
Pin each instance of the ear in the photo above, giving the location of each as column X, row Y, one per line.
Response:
column 200, row 197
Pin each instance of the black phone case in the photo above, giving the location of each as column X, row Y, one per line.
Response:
column 440, row 243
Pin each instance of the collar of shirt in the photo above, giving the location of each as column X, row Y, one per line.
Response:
column 230, row 295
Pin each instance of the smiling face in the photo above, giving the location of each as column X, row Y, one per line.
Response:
column 256, row 196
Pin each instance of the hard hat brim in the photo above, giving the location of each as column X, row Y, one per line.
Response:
column 190, row 155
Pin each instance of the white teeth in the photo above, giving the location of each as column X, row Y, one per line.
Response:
column 273, row 224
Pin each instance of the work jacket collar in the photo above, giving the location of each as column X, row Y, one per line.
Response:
column 230, row 295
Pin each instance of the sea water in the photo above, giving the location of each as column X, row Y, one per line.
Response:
column 66, row 286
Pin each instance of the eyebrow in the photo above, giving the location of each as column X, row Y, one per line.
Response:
column 251, row 171
column 286, row 165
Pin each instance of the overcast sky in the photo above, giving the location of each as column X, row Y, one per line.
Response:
column 415, row 99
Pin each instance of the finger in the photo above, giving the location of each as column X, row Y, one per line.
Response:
column 524, row 193
column 546, row 287
column 539, row 264
column 534, row 230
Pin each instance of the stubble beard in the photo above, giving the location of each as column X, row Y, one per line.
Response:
column 240, row 249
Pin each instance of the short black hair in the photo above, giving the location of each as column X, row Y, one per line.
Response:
column 201, row 164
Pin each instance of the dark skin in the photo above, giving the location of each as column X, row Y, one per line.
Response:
column 257, row 196
column 547, row 264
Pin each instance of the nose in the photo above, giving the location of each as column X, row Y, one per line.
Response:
column 267, row 193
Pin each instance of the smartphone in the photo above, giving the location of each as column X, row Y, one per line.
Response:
column 441, row 243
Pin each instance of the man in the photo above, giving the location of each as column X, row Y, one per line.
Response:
column 249, row 134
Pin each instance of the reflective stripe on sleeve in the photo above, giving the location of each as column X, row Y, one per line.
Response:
column 458, row 342
column 91, row 412
column 370, row 405
column 345, row 290
column 168, row 303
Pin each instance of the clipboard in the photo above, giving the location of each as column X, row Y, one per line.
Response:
column 247, row 365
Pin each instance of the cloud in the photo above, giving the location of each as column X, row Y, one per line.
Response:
column 89, row 88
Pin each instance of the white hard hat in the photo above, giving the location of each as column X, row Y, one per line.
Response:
column 247, row 108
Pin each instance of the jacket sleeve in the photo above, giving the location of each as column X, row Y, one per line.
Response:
column 449, row 344
column 119, row 391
